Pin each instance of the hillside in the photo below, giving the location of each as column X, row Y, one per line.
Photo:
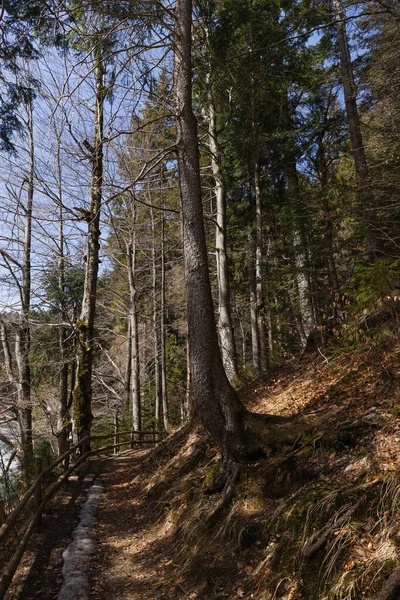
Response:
column 322, row 523
column 317, row 519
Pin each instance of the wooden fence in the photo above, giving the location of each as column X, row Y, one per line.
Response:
column 41, row 496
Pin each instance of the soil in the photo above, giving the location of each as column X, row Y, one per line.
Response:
column 132, row 559
column 161, row 537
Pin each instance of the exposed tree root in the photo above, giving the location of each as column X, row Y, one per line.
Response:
column 234, row 471
column 312, row 546
column 391, row 588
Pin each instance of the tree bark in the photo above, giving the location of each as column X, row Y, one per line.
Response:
column 255, row 345
column 156, row 330
column 365, row 192
column 225, row 328
column 134, row 331
column 259, row 273
column 85, row 327
column 329, row 229
column 23, row 336
column 164, row 389
column 216, row 402
column 305, row 305
column 63, row 417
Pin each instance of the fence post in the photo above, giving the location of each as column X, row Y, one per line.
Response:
column 66, row 464
column 2, row 511
column 38, row 490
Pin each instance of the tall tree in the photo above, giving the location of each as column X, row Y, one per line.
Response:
column 213, row 101
column 365, row 187
column 216, row 403
column 85, row 327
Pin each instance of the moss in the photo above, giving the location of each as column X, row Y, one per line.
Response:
column 390, row 564
column 210, row 475
column 357, row 525
column 82, row 325
column 235, row 382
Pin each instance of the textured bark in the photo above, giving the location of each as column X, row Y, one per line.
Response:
column 85, row 327
column 216, row 403
column 156, row 330
column 225, row 328
column 366, row 196
column 259, row 272
column 164, row 389
column 134, row 332
column 186, row 399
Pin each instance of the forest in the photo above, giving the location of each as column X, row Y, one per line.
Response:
column 195, row 197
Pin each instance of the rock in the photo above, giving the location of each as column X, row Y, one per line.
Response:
column 359, row 467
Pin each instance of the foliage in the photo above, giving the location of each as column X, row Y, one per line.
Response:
column 374, row 281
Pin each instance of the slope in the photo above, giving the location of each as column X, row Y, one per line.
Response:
column 317, row 520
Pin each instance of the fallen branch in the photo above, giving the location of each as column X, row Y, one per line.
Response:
column 312, row 548
column 6, row 440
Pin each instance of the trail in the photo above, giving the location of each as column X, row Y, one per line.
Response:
column 78, row 554
column 40, row 572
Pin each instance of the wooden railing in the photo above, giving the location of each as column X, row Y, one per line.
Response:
column 41, row 497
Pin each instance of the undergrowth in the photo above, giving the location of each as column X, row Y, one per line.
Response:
column 320, row 526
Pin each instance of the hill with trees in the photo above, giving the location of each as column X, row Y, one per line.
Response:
column 195, row 196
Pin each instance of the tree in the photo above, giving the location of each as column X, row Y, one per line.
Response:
column 365, row 186
column 210, row 80
column 85, row 326
column 216, row 402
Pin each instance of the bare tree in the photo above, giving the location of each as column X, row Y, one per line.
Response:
column 82, row 412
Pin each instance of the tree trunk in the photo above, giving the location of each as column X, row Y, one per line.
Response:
column 259, row 271
column 23, row 336
column 255, row 345
column 216, row 402
column 85, row 327
column 304, row 309
column 156, row 331
column 63, row 417
column 305, row 306
column 225, row 329
column 366, row 196
column 135, row 368
column 186, row 403
column 164, row 390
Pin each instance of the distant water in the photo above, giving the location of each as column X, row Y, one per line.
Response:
column 5, row 451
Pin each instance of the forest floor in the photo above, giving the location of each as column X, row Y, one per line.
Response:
column 318, row 520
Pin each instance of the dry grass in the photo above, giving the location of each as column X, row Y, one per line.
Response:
column 255, row 549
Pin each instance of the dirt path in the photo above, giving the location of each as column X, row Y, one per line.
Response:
column 132, row 554
column 39, row 574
